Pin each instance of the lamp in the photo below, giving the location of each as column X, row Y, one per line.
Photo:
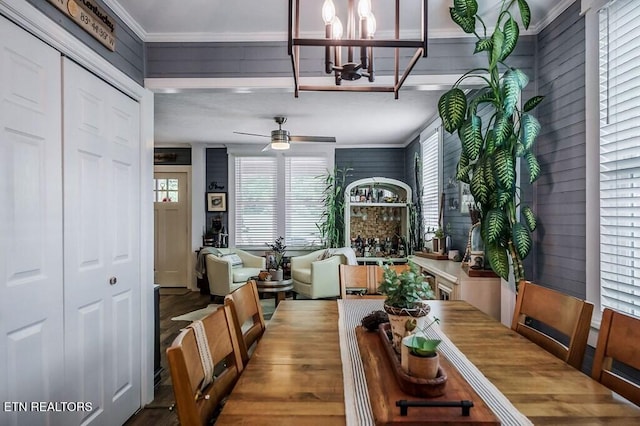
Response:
column 334, row 42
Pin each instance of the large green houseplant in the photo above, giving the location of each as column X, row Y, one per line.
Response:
column 490, row 150
column 331, row 225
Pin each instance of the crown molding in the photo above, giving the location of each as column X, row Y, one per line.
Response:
column 128, row 20
column 560, row 7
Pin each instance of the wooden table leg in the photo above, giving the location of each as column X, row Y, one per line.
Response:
column 280, row 296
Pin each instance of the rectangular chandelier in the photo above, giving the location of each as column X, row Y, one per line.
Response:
column 359, row 42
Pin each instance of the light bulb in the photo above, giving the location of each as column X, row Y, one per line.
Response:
column 337, row 28
column 280, row 145
column 328, row 11
column 371, row 25
column 364, row 8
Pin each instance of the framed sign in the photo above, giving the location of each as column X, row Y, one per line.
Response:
column 216, row 201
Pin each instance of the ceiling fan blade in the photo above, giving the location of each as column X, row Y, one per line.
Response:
column 252, row 134
column 266, row 148
column 312, row 138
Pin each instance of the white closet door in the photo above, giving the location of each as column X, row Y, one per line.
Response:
column 102, row 261
column 31, row 322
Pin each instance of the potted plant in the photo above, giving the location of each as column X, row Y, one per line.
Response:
column 438, row 241
column 332, row 227
column 419, row 356
column 406, row 294
column 275, row 261
column 490, row 150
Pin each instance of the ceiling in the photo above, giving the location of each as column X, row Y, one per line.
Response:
column 206, row 113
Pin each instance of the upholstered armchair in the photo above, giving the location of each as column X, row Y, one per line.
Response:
column 315, row 276
column 230, row 269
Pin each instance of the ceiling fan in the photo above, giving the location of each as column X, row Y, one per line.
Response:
column 280, row 138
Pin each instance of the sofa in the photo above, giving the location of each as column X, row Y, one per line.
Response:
column 315, row 275
column 230, row 268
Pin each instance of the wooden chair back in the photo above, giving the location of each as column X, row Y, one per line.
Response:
column 196, row 407
column 351, row 276
column 618, row 340
column 246, row 310
column 566, row 314
column 379, row 271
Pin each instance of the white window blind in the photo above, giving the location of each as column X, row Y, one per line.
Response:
column 303, row 189
column 430, row 173
column 620, row 156
column 255, row 200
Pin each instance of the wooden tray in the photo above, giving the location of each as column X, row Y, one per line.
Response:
column 484, row 273
column 428, row 255
column 384, row 391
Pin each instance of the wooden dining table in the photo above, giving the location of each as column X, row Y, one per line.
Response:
column 295, row 375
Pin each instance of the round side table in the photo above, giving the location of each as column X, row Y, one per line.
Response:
column 279, row 287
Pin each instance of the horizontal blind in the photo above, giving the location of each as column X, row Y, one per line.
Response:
column 430, row 173
column 255, row 200
column 620, row 156
column 303, row 195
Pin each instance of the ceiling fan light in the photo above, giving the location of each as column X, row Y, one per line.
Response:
column 280, row 145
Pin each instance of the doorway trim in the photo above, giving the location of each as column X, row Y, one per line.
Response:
column 189, row 255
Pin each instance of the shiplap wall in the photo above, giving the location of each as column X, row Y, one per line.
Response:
column 270, row 59
column 370, row 162
column 560, row 190
column 129, row 54
column 217, row 170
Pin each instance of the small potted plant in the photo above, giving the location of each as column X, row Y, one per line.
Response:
column 438, row 241
column 275, row 263
column 406, row 294
column 419, row 357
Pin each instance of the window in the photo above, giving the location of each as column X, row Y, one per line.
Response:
column 278, row 196
column 430, row 173
column 165, row 190
column 619, row 159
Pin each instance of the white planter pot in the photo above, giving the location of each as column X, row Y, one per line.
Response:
column 403, row 321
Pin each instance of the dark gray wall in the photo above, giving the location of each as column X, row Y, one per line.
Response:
column 560, row 190
column 129, row 54
column 370, row 162
column 217, row 171
column 270, row 59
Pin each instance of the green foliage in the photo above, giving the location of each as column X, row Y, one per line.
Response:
column 422, row 346
column 279, row 249
column 488, row 157
column 404, row 290
column 331, row 227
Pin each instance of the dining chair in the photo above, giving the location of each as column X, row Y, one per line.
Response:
column 566, row 314
column 619, row 342
column 197, row 401
column 355, row 278
column 379, row 272
column 246, row 311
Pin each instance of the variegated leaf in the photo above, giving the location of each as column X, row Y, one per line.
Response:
column 483, row 45
column 534, row 166
column 466, row 7
column 489, row 176
column 520, row 151
column 514, row 81
column 521, row 239
column 452, row 107
column 484, row 96
column 525, row 13
column 503, row 129
column 471, row 137
column 495, row 224
column 504, row 168
column 503, row 197
column 490, row 144
column 478, row 186
column 529, row 218
column 530, row 129
column 468, row 24
column 511, row 34
column 497, row 40
column 498, row 260
column 532, row 103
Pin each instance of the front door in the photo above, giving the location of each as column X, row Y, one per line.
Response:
column 171, row 208
column 102, row 250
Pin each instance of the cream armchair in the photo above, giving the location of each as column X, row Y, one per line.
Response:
column 226, row 272
column 315, row 278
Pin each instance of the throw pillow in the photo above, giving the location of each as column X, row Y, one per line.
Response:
column 234, row 259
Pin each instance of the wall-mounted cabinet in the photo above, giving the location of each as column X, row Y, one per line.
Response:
column 377, row 218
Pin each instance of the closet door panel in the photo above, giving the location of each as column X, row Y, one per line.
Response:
column 102, row 189
column 31, row 313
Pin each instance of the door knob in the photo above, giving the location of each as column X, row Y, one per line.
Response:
column 113, row 280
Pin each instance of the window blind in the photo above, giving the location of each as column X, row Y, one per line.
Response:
column 619, row 60
column 255, row 200
column 430, row 173
column 303, row 189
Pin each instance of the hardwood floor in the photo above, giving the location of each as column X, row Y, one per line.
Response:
column 172, row 304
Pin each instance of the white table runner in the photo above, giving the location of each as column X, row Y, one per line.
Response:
column 357, row 403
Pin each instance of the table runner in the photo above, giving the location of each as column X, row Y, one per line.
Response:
column 357, row 404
